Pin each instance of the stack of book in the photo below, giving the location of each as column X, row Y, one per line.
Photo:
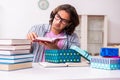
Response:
column 15, row 54
column 109, row 59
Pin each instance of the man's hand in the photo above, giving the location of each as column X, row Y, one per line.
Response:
column 32, row 36
column 51, row 45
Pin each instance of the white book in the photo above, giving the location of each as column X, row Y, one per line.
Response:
column 14, row 52
column 16, row 56
column 9, row 67
column 47, row 64
column 14, row 41
column 5, row 61
column 47, row 39
column 14, row 47
column 79, row 64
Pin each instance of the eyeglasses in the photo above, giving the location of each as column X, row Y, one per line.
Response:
column 63, row 21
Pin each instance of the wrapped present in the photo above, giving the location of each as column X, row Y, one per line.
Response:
column 109, row 63
column 82, row 52
column 111, row 52
column 62, row 56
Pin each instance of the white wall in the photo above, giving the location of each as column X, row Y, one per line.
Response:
column 17, row 16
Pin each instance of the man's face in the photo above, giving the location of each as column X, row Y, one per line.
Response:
column 61, row 20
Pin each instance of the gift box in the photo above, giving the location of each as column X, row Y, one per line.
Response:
column 62, row 56
column 111, row 52
column 109, row 63
column 82, row 52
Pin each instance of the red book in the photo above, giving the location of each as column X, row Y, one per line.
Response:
column 47, row 39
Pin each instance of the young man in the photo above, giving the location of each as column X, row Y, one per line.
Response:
column 63, row 21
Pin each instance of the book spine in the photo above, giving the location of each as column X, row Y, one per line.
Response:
column 5, row 61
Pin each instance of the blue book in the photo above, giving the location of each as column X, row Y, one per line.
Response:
column 14, row 61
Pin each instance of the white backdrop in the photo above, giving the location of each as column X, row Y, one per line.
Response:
column 17, row 16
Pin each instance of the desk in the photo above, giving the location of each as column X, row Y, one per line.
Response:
column 60, row 73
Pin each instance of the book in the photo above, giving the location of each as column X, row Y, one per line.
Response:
column 14, row 41
column 14, row 52
column 48, row 64
column 47, row 39
column 14, row 47
column 9, row 67
column 14, row 61
column 21, row 56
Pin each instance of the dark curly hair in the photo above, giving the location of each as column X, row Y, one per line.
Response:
column 74, row 19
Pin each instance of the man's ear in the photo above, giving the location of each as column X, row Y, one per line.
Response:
column 68, row 25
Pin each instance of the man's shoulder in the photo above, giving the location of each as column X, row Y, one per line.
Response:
column 41, row 25
column 40, row 28
column 72, row 35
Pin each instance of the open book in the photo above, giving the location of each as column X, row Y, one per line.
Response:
column 47, row 39
column 79, row 64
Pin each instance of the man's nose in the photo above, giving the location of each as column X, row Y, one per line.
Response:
column 59, row 21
